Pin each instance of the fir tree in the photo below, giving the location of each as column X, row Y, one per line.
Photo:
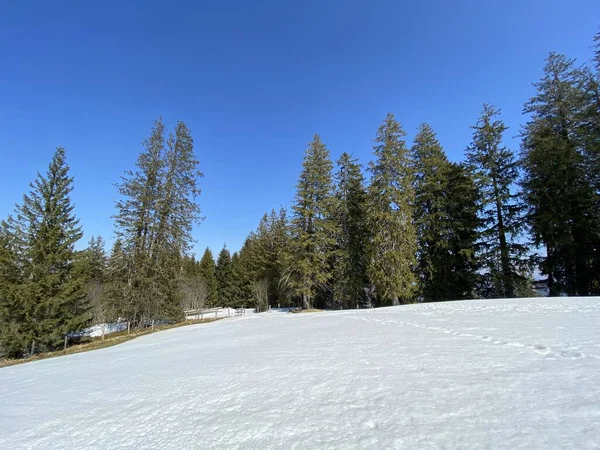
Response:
column 206, row 271
column 307, row 270
column 50, row 296
column 446, row 221
column 224, row 276
column 91, row 266
column 279, row 235
column 16, row 331
column 154, row 221
column 462, row 269
column 393, row 246
column 562, row 202
column 496, row 174
column 350, row 277
column 242, row 280
column 117, row 300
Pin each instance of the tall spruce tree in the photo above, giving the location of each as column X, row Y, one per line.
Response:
column 463, row 267
column 350, row 276
column 241, row 277
column 154, row 221
column 50, row 294
column 308, row 271
column 279, row 235
column 393, row 246
column 117, row 300
column 225, row 281
column 592, row 146
column 206, row 271
column 91, row 265
column 561, row 197
column 496, row 173
column 446, row 222
column 16, row 331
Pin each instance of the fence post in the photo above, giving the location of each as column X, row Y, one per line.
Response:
column 152, row 325
column 103, row 330
column 66, row 338
column 32, row 348
column 128, row 324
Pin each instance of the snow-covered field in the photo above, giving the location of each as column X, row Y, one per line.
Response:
column 478, row 374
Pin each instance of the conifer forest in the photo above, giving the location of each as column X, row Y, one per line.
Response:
column 410, row 226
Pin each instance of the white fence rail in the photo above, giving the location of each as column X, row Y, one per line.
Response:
column 215, row 313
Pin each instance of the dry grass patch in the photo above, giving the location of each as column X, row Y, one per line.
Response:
column 108, row 341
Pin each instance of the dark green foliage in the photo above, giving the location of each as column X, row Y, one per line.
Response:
column 262, row 256
column 45, row 297
column 502, row 254
column 154, row 222
column 16, row 331
column 446, row 220
column 117, row 300
column 350, row 277
column 559, row 190
column 463, row 223
column 91, row 265
column 242, row 288
column 393, row 247
column 206, row 272
column 225, row 279
column 307, row 270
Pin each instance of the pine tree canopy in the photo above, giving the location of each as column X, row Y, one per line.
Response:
column 502, row 252
column 49, row 301
column 393, row 247
column 562, row 201
column 308, row 270
column 446, row 221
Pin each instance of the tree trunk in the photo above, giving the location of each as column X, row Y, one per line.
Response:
column 305, row 303
column 507, row 281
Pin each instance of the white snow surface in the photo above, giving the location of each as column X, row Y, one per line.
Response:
column 108, row 328
column 498, row 374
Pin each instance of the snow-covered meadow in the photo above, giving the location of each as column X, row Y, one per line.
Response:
column 476, row 374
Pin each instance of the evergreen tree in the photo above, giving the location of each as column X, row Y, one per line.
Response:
column 496, row 174
column 91, row 266
column 462, row 195
column 16, row 331
column 307, row 271
column 206, row 271
column 238, row 280
column 154, row 221
column 589, row 127
column 446, row 222
column 262, row 255
column 393, row 246
column 50, row 294
column 350, row 277
column 117, row 300
column 561, row 198
column 225, row 281
column 592, row 147
column 279, row 232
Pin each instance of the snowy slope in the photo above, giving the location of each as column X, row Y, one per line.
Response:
column 478, row 374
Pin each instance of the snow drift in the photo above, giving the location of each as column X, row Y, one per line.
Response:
column 474, row 374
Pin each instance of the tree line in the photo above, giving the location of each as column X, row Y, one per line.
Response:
column 412, row 227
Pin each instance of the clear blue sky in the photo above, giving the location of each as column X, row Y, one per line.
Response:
column 254, row 81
